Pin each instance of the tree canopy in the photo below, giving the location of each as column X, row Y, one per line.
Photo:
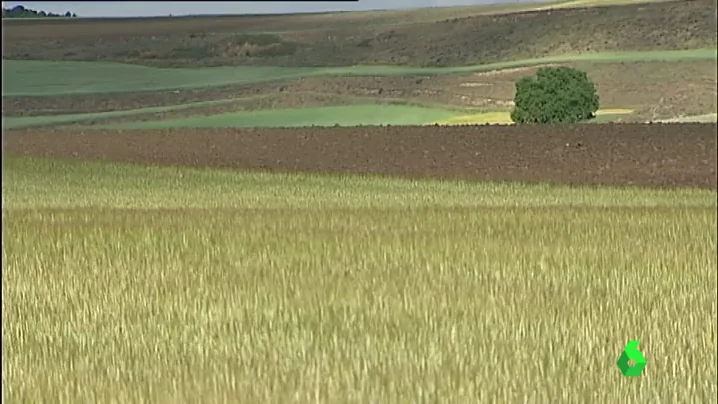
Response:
column 555, row 95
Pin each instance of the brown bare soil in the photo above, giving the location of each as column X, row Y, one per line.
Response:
column 318, row 40
column 659, row 155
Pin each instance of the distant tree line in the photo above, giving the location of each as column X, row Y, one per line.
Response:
column 22, row 12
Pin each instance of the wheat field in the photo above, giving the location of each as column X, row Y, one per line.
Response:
column 147, row 284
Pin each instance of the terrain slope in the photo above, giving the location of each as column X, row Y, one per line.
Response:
column 651, row 60
column 336, row 40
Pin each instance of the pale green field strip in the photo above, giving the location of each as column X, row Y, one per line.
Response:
column 706, row 118
column 319, row 288
column 345, row 115
column 14, row 122
column 403, row 107
column 38, row 78
column 351, row 115
column 34, row 183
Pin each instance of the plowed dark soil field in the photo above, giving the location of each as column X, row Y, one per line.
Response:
column 668, row 155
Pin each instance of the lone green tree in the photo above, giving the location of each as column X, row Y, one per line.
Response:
column 555, row 95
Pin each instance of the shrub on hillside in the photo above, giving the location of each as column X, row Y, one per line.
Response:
column 555, row 95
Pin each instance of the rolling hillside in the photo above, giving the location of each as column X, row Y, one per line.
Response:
column 656, row 59
column 336, row 40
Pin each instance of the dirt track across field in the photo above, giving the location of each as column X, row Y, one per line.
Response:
column 667, row 155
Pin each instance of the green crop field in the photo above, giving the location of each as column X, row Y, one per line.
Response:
column 354, row 115
column 349, row 115
column 42, row 120
column 322, row 116
column 43, row 85
column 165, row 284
column 38, row 78
column 373, row 114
